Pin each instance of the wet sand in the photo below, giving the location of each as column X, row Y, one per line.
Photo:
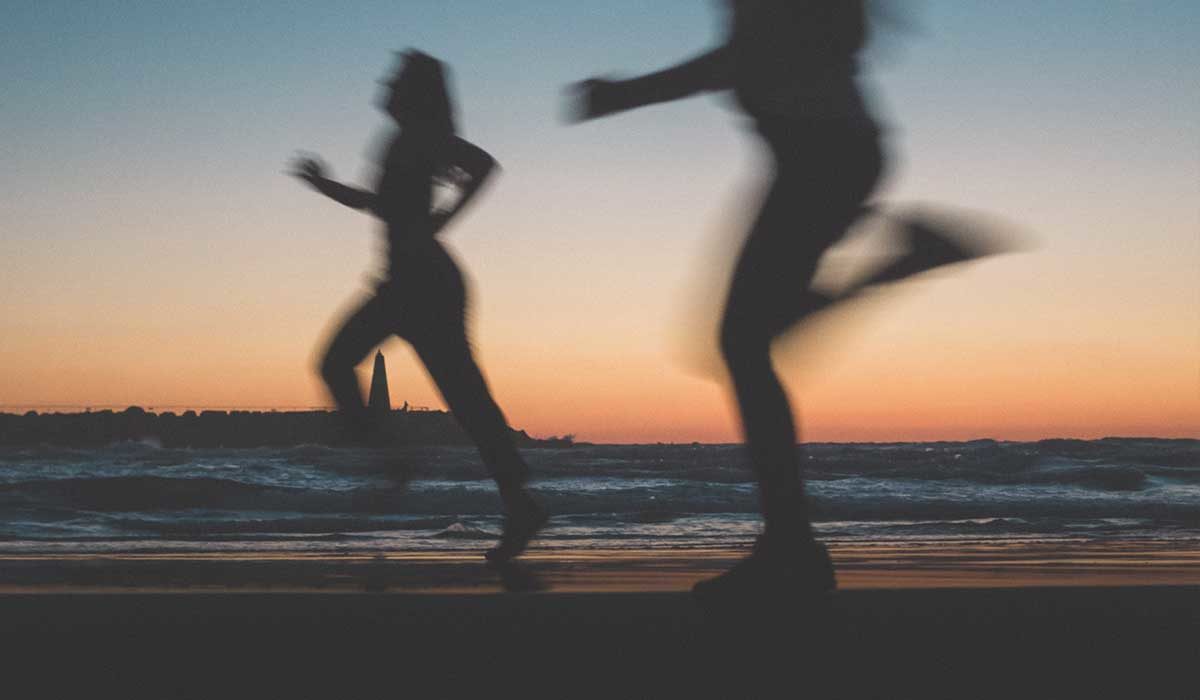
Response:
column 859, row 566
column 909, row 621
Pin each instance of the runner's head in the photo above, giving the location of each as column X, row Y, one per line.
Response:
column 418, row 94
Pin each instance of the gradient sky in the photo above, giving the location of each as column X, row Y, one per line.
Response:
column 153, row 253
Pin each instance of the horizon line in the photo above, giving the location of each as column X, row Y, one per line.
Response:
column 578, row 442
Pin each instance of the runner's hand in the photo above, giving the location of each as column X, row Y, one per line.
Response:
column 593, row 98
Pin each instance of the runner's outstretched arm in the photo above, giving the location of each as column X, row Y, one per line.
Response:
column 311, row 170
column 598, row 97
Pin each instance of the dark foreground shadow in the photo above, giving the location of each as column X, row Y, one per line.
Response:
column 1043, row 643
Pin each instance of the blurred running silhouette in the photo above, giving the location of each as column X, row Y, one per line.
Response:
column 792, row 65
column 423, row 296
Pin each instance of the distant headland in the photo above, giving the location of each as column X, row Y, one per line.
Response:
column 403, row 426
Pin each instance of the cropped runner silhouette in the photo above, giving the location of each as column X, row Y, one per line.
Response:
column 423, row 297
column 792, row 65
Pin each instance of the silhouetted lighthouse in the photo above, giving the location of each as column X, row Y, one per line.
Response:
column 379, row 402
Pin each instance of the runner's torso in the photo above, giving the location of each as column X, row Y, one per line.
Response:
column 405, row 196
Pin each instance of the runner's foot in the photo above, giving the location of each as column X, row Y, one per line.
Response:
column 520, row 525
column 517, row 577
column 772, row 570
column 934, row 241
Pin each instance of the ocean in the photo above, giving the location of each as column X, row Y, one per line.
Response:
column 141, row 497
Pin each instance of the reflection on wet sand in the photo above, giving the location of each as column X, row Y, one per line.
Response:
column 886, row 565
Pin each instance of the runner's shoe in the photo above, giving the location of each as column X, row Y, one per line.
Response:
column 770, row 571
column 519, row 528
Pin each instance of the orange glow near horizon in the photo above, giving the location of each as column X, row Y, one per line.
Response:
column 943, row 392
column 981, row 354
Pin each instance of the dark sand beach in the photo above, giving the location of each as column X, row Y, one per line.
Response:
column 1021, row 642
column 910, row 621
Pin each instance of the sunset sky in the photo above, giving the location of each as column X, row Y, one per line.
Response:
column 153, row 252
